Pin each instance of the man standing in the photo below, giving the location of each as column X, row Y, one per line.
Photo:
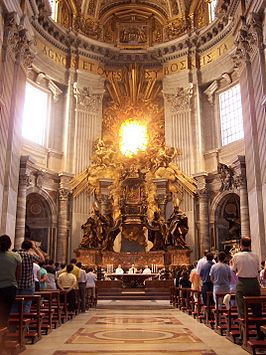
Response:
column 207, row 285
column 29, row 254
column 220, row 275
column 247, row 267
column 82, row 287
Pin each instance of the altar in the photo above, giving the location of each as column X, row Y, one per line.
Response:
column 163, row 259
column 132, row 280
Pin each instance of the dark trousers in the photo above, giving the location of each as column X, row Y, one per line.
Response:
column 7, row 297
column 82, row 295
column 248, row 287
column 206, row 287
column 71, row 300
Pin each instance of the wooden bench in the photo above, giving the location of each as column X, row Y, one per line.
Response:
column 185, row 299
column 207, row 311
column 33, row 333
column 46, row 308
column 196, row 304
column 230, row 317
column 15, row 340
column 57, row 307
column 219, row 310
column 249, row 336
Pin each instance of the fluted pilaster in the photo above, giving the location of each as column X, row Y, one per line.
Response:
column 249, row 59
column 178, row 124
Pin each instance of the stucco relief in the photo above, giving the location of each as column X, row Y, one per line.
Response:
column 85, row 100
column 180, row 100
column 18, row 41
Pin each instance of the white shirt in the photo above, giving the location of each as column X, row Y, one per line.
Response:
column 147, row 270
column 90, row 279
column 36, row 270
column 246, row 264
column 132, row 270
column 119, row 271
column 82, row 276
column 200, row 263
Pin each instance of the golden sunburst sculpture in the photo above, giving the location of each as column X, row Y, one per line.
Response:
column 134, row 95
column 133, row 141
column 133, row 138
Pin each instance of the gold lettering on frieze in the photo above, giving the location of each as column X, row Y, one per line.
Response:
column 86, row 65
column 175, row 67
column 55, row 56
column 216, row 52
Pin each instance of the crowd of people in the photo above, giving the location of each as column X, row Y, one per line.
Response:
column 26, row 270
column 242, row 275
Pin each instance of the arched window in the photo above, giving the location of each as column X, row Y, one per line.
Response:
column 35, row 114
column 231, row 115
column 212, row 6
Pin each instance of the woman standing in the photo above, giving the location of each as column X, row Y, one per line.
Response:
column 10, row 266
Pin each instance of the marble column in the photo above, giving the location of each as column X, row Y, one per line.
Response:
column 21, row 210
column 244, row 212
column 203, row 214
column 204, row 220
column 63, row 231
column 240, row 181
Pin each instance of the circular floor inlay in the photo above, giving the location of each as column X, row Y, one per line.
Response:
column 132, row 334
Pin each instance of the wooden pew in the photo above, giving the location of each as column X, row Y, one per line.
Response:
column 219, row 311
column 196, row 304
column 186, row 299
column 46, row 308
column 57, row 307
column 208, row 318
column 249, row 336
column 16, row 339
column 34, row 328
column 231, row 319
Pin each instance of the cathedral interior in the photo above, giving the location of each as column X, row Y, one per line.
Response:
column 133, row 126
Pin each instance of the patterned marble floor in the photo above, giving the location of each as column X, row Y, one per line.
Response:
column 133, row 328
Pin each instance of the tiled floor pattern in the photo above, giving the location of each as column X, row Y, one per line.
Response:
column 133, row 328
